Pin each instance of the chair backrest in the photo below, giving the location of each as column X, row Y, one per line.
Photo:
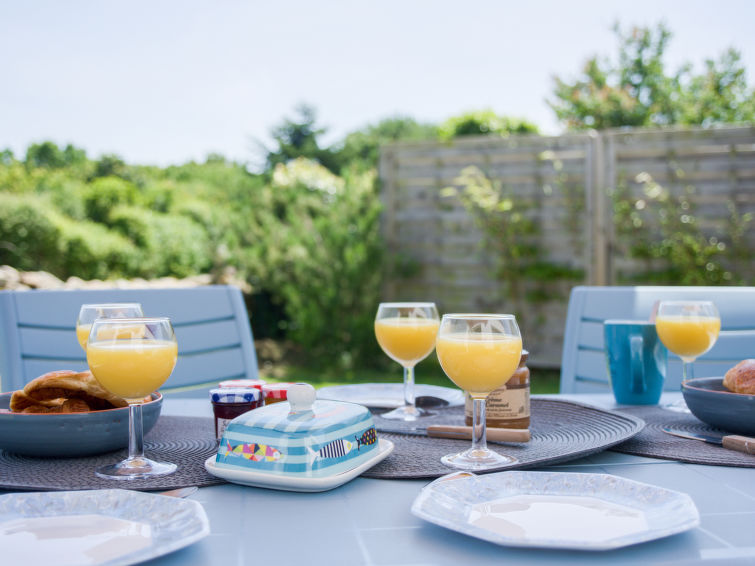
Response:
column 37, row 333
column 583, row 362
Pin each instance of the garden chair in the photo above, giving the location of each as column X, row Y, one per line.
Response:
column 37, row 333
column 583, row 362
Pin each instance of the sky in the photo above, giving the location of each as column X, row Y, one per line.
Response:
column 167, row 81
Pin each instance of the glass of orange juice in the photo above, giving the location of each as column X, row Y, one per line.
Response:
column 406, row 332
column 688, row 329
column 131, row 358
column 479, row 353
column 89, row 313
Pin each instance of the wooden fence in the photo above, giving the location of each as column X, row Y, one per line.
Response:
column 570, row 185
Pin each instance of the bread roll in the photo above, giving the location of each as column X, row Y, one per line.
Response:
column 741, row 378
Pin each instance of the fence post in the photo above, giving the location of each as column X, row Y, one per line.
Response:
column 595, row 185
column 388, row 178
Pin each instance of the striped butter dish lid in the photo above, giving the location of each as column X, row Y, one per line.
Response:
column 305, row 437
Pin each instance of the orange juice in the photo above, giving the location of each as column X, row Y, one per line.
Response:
column 479, row 363
column 132, row 369
column 688, row 336
column 82, row 333
column 406, row 340
column 121, row 333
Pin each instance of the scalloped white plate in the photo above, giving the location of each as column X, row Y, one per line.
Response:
column 555, row 509
column 387, row 395
column 294, row 483
column 115, row 527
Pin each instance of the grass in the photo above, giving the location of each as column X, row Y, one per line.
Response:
column 277, row 363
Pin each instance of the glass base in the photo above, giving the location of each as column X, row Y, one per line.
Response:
column 135, row 469
column 406, row 413
column 678, row 406
column 477, row 459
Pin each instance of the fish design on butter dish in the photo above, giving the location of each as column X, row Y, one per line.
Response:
column 253, row 451
column 368, row 438
column 336, row 449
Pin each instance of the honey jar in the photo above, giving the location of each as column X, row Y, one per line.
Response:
column 508, row 406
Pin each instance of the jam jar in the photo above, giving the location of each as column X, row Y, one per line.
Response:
column 256, row 383
column 275, row 392
column 229, row 402
column 508, row 406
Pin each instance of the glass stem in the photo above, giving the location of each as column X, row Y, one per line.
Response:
column 409, row 386
column 479, row 442
column 135, row 436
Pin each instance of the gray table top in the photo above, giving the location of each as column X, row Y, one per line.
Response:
column 368, row 521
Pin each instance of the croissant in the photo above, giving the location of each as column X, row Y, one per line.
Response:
column 69, row 384
column 22, row 403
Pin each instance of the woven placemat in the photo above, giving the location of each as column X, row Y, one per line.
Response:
column 561, row 431
column 186, row 441
column 654, row 443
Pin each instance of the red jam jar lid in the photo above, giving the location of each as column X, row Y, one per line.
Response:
column 277, row 391
column 255, row 383
column 235, row 395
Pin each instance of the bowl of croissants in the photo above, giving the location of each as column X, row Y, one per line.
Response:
column 726, row 403
column 68, row 414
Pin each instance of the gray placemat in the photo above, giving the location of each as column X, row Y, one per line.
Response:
column 186, row 441
column 561, row 431
column 654, row 443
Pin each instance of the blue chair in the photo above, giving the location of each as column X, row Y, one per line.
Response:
column 583, row 362
column 37, row 333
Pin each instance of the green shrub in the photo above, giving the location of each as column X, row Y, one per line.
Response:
column 28, row 233
column 91, row 251
column 323, row 258
column 35, row 236
column 158, row 196
column 170, row 244
column 104, row 194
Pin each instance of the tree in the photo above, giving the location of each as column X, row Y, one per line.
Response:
column 299, row 138
column 361, row 147
column 109, row 165
column 45, row 154
column 484, row 122
column 719, row 95
column 637, row 90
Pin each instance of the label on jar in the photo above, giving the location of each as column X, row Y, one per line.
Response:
column 222, row 424
column 508, row 402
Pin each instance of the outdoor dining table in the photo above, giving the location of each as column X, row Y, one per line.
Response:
column 368, row 521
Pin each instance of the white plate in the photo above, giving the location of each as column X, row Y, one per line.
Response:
column 555, row 509
column 292, row 483
column 108, row 526
column 387, row 395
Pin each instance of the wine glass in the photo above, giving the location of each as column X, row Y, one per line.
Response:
column 131, row 358
column 406, row 332
column 688, row 329
column 479, row 353
column 89, row 313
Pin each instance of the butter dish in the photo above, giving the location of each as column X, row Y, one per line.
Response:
column 302, row 444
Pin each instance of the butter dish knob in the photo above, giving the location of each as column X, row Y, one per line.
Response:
column 301, row 397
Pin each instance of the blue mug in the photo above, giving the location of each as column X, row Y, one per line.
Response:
column 636, row 361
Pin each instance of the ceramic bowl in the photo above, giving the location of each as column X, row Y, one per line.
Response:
column 715, row 405
column 70, row 434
